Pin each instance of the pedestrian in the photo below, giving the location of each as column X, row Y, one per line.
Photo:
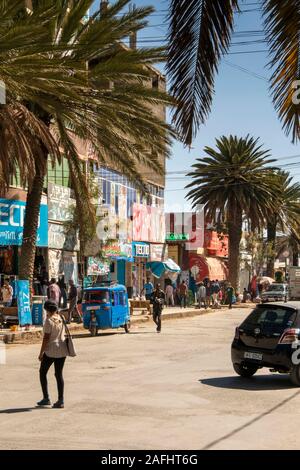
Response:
column 148, row 289
column 73, row 299
column 215, row 289
column 183, row 290
column 63, row 291
column 245, row 295
column 208, row 293
column 202, row 295
column 7, row 293
column 169, row 295
column 53, row 291
column 230, row 295
column 54, row 350
column 158, row 301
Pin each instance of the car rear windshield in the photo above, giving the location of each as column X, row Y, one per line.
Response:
column 271, row 316
column 97, row 296
column 275, row 288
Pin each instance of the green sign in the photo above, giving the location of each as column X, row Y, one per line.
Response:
column 174, row 237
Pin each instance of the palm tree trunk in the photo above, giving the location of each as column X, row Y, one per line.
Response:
column 271, row 239
column 235, row 221
column 295, row 251
column 34, row 196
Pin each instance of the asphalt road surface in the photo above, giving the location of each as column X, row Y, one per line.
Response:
column 174, row 390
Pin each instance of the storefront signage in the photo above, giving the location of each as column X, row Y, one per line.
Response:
column 148, row 224
column 97, row 267
column 158, row 252
column 119, row 250
column 177, row 237
column 63, row 262
column 59, row 239
column 37, row 312
column 12, row 215
column 141, row 250
column 60, row 203
column 23, row 296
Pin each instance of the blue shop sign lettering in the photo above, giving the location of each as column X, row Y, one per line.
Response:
column 12, row 214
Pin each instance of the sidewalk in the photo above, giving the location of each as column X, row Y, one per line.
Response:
column 35, row 334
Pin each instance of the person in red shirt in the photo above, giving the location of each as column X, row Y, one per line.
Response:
column 183, row 290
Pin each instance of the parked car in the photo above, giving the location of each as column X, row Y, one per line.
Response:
column 269, row 337
column 275, row 292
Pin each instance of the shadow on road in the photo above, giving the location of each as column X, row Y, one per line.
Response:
column 251, row 422
column 22, row 410
column 256, row 383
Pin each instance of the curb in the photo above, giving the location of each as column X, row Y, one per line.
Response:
column 35, row 336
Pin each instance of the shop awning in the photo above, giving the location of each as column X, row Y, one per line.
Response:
column 159, row 268
column 202, row 267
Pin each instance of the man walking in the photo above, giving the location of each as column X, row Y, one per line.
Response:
column 183, row 290
column 73, row 298
column 169, row 295
column 158, row 300
column 202, row 295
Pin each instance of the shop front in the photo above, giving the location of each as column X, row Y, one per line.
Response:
column 12, row 214
column 141, row 255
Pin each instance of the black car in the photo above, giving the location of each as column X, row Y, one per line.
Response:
column 269, row 337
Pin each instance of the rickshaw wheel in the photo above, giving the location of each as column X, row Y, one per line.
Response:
column 127, row 327
column 94, row 331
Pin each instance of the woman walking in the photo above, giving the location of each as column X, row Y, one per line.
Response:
column 54, row 350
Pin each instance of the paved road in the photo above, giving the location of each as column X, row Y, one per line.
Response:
column 175, row 390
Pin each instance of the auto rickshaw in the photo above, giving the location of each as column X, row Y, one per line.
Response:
column 105, row 307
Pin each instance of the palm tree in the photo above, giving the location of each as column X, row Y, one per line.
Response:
column 200, row 34
column 232, row 181
column 286, row 215
column 57, row 68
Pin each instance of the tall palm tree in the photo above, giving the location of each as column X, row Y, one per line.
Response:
column 286, row 215
column 57, row 68
column 232, row 181
column 200, row 34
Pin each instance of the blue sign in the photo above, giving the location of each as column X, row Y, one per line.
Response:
column 12, row 214
column 23, row 298
column 140, row 249
column 37, row 313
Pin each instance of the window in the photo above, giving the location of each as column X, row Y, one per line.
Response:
column 101, row 296
column 268, row 316
column 122, row 297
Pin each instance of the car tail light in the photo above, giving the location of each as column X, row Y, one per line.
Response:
column 289, row 336
column 237, row 333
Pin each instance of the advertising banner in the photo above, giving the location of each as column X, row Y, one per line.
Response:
column 12, row 214
column 23, row 298
column 60, row 203
column 59, row 239
column 148, row 224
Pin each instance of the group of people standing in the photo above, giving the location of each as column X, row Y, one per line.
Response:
column 174, row 294
column 58, row 292
column 213, row 294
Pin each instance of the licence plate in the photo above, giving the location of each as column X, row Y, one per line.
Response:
column 97, row 307
column 256, row 356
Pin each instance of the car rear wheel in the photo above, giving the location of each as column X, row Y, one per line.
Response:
column 245, row 370
column 295, row 375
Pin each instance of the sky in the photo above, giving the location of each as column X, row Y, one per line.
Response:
column 242, row 103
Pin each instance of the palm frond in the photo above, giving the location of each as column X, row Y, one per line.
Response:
column 199, row 35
